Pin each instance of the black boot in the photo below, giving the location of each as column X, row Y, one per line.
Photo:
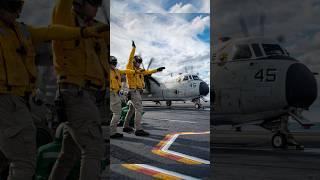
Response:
column 116, row 135
column 141, row 133
column 127, row 129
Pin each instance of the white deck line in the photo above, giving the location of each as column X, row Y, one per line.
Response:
column 171, row 141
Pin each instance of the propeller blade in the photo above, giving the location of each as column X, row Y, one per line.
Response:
column 244, row 27
column 147, row 82
column 262, row 23
column 154, row 80
column 150, row 62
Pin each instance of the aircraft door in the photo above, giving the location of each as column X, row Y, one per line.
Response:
column 228, row 80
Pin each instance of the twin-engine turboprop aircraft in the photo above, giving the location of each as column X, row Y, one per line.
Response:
column 257, row 81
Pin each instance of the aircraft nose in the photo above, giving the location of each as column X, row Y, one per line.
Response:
column 301, row 86
column 204, row 89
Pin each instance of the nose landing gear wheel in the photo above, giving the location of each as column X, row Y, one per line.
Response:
column 279, row 140
column 198, row 106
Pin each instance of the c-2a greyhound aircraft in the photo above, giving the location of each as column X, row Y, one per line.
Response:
column 182, row 87
column 256, row 81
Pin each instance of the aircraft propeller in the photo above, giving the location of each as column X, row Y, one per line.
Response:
column 149, row 78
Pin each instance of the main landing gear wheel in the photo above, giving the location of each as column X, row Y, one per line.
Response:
column 284, row 138
column 279, row 140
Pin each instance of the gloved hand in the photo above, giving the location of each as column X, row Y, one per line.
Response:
column 160, row 69
column 94, row 31
column 133, row 44
column 37, row 97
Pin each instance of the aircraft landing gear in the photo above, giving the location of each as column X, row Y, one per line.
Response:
column 279, row 140
column 197, row 103
column 169, row 103
column 283, row 137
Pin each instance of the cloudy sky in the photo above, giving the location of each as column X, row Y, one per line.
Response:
column 38, row 12
column 298, row 21
column 176, row 33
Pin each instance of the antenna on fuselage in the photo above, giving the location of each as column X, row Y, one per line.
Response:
column 243, row 25
column 262, row 24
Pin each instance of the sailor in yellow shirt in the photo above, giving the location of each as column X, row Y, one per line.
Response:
column 115, row 101
column 82, row 73
column 17, row 82
column 136, row 85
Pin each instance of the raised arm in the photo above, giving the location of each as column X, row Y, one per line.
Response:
column 63, row 13
column 131, row 57
column 60, row 32
column 148, row 72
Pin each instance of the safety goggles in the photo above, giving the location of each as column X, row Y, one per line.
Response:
column 114, row 63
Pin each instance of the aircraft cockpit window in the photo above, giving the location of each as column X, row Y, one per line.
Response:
column 273, row 50
column 196, row 78
column 242, row 52
column 185, row 78
column 257, row 50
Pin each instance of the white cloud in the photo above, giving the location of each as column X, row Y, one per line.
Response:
column 205, row 8
column 168, row 37
column 155, row 6
column 136, row 6
column 182, row 8
column 199, row 6
column 200, row 23
column 171, row 43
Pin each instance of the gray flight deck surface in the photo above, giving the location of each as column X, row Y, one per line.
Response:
column 160, row 121
column 249, row 155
